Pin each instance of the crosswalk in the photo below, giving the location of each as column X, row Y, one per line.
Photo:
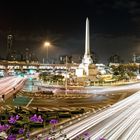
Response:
column 7, row 107
column 60, row 97
column 51, row 108
column 3, row 108
column 20, row 93
column 40, row 95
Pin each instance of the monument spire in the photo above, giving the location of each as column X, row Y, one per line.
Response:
column 87, row 38
column 87, row 58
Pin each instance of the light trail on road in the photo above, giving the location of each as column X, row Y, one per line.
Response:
column 9, row 84
column 110, row 89
column 121, row 121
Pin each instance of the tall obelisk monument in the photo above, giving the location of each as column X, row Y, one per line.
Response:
column 87, row 58
column 86, row 68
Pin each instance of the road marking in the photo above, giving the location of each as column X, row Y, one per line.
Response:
column 2, row 108
column 26, row 108
column 65, row 108
column 8, row 107
column 29, row 102
column 46, row 109
column 55, row 109
column 33, row 108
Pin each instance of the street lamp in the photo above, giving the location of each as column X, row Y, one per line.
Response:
column 47, row 44
column 66, row 80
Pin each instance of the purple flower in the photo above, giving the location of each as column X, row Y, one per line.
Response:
column 1, row 128
column 12, row 120
column 17, row 117
column 11, row 137
column 34, row 118
column 86, row 134
column 53, row 121
column 4, row 127
column 40, row 119
column 21, row 131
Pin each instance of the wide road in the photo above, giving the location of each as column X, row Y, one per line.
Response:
column 121, row 121
column 10, row 84
column 91, row 89
column 110, row 89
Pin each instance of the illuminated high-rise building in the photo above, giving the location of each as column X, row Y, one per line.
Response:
column 9, row 46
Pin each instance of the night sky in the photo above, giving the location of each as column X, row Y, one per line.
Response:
column 114, row 27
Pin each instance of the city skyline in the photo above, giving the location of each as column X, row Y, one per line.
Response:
column 114, row 27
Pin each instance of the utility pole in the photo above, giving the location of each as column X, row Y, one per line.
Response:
column 134, row 58
column 66, row 82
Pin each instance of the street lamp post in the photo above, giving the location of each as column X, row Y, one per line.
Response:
column 66, row 82
column 47, row 45
column 43, row 60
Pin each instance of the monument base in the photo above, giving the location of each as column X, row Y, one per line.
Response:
column 87, row 70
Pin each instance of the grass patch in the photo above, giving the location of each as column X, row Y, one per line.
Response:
column 21, row 101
